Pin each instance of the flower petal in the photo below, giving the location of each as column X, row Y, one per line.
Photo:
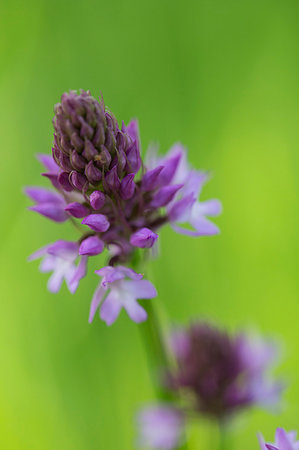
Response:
column 110, row 309
column 96, row 300
column 208, row 208
column 48, row 162
column 165, row 195
column 135, row 311
column 55, row 281
column 78, row 274
column 141, row 289
column 150, row 179
column 43, row 195
column 52, row 211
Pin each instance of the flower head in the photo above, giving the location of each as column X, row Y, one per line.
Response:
column 223, row 373
column 103, row 187
column 283, row 441
column 120, row 288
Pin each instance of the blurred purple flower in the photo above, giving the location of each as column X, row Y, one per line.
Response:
column 223, row 373
column 283, row 441
column 60, row 259
column 120, row 288
column 160, row 427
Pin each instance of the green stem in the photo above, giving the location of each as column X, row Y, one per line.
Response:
column 225, row 442
column 155, row 349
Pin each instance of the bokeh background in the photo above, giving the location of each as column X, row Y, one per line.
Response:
column 220, row 76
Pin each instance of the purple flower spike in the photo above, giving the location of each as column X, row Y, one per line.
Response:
column 283, row 441
column 160, row 427
column 223, row 373
column 97, row 222
column 77, row 210
column 144, row 238
column 95, row 169
column 97, row 200
column 124, row 287
column 165, row 195
column 127, row 186
column 91, row 246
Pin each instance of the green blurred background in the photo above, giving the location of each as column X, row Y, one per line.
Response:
column 220, row 76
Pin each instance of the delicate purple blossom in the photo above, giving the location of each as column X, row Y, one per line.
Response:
column 59, row 258
column 105, row 189
column 283, row 441
column 160, row 427
column 120, row 288
column 223, row 373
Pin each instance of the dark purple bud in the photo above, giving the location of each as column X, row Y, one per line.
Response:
column 63, row 180
column 89, row 151
column 97, row 200
column 67, row 124
column 133, row 159
column 122, row 159
column 144, row 238
column 150, row 179
column 77, row 210
column 112, row 179
column 86, row 130
column 111, row 121
column 78, row 180
column 103, row 158
column 169, row 170
column 127, row 186
column 97, row 222
column 62, row 160
column 78, row 162
column 165, row 195
column 77, row 142
column 110, row 140
column 119, row 160
column 91, row 246
column 65, row 145
column 121, row 141
column 133, row 131
column 99, row 137
column 93, row 174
